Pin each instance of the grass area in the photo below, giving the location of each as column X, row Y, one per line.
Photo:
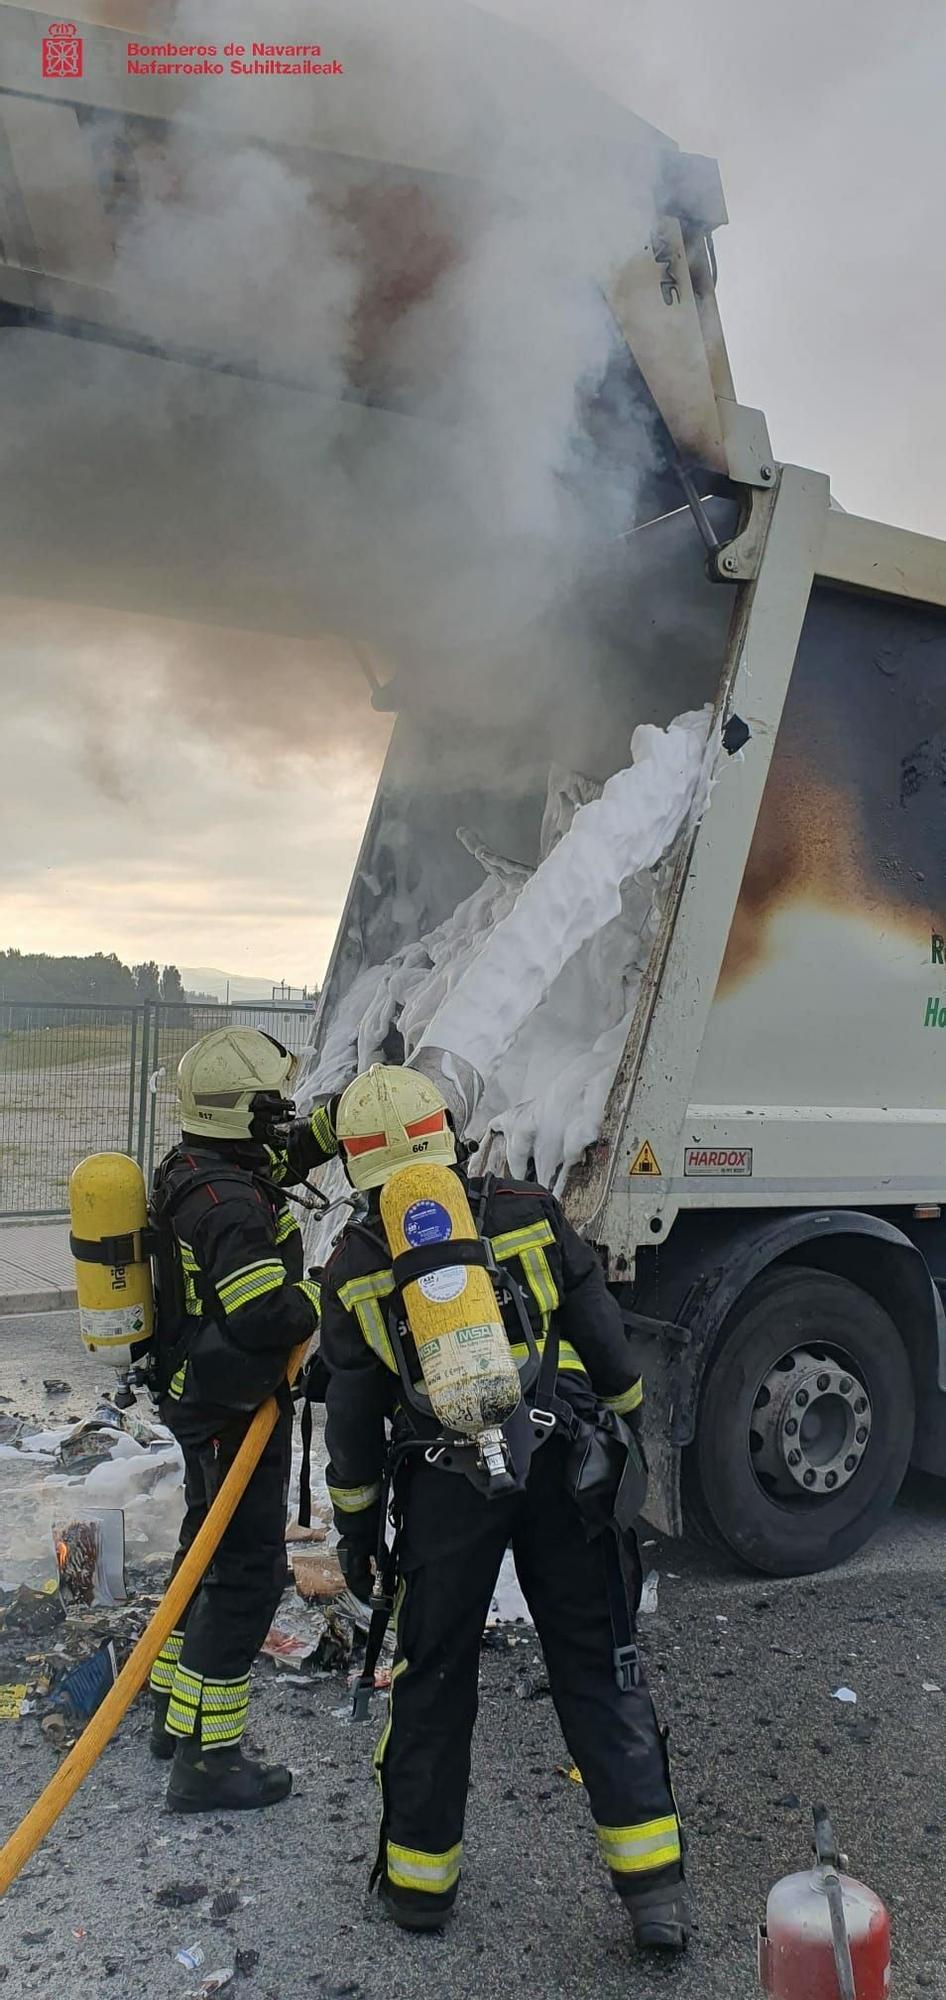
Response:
column 27, row 1049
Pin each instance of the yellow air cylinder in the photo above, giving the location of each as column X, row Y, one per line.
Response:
column 108, row 1209
column 469, row 1373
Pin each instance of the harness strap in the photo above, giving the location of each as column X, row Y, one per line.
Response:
column 305, row 1469
column 625, row 1651
column 439, row 1256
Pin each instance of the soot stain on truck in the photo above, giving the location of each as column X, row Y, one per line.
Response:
column 852, row 814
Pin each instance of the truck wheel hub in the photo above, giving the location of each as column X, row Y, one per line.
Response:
column 810, row 1425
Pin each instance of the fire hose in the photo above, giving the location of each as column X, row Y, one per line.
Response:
column 98, row 1732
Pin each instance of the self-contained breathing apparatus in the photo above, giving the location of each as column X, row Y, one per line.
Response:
column 480, row 1415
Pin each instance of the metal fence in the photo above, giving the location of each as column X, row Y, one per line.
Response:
column 85, row 1079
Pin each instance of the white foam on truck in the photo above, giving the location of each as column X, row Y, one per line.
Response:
column 521, row 1000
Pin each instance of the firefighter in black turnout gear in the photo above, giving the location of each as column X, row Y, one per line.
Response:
column 232, row 1302
column 451, row 1537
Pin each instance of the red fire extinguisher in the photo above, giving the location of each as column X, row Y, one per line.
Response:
column 825, row 1936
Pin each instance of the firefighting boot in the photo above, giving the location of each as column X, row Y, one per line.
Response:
column 661, row 1917
column 163, row 1744
column 409, row 1917
column 223, row 1780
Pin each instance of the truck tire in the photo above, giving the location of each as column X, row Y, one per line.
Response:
column 805, row 1424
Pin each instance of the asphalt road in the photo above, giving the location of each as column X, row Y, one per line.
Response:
column 743, row 1670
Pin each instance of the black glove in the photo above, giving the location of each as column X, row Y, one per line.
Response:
column 358, row 1571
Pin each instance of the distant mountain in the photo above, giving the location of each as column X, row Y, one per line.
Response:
column 207, row 979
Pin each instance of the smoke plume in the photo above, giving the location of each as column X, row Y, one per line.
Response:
column 399, row 267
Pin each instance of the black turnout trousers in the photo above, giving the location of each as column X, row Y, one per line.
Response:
column 452, row 1544
column 205, row 1666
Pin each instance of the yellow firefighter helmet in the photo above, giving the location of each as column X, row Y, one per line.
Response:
column 232, row 1084
column 390, row 1118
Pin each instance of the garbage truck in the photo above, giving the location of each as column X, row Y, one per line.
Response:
column 764, row 1179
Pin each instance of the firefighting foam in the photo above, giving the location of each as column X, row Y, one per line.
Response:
column 533, row 981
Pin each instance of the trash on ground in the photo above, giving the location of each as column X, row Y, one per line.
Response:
column 30, row 1614
column 932, row 1687
column 844, row 1694
column 90, row 1554
column 246, row 1960
column 569, row 1771
column 648, row 1603
column 54, row 1386
column 317, row 1577
column 176, row 1895
column 191, row 1956
column 225, row 1902
column 78, row 1694
column 214, row 1982
column 12, row 1698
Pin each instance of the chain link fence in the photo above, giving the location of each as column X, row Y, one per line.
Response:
column 78, row 1079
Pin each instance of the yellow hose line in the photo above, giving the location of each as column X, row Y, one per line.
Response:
column 67, row 1779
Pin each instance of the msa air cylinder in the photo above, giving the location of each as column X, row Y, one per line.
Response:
column 109, row 1213
column 467, row 1364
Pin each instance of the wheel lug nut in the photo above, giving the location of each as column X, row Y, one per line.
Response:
column 845, row 1385
column 824, row 1382
column 802, row 1398
column 791, row 1427
column 809, row 1478
column 860, row 1406
column 861, row 1434
column 851, row 1462
column 794, row 1458
column 831, row 1479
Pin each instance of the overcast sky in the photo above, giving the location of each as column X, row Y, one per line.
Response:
column 827, row 120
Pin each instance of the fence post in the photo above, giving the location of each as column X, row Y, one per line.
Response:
column 130, row 1146
column 144, row 1073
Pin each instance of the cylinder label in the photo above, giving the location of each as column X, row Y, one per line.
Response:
column 427, row 1222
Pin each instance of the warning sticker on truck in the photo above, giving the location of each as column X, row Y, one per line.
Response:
column 644, row 1162
column 717, row 1160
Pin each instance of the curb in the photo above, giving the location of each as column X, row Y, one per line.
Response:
column 13, row 1305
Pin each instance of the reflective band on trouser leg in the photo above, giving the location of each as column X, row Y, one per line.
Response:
column 639, row 1850
column 354, row 1499
column 631, row 1399
column 223, row 1711
column 412, row 1868
column 162, row 1673
column 220, row 1705
column 185, row 1701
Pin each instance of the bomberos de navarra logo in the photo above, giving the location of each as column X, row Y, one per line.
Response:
column 62, row 50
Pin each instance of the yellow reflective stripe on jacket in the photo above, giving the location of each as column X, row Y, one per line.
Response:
column 635, row 1850
column 321, row 1127
column 176, row 1384
column 568, row 1358
column 532, row 1237
column 360, row 1296
column 630, row 1399
column 529, row 1244
column 286, row 1225
column 413, row 1868
column 251, row 1282
column 352, row 1499
column 311, row 1290
column 193, row 1304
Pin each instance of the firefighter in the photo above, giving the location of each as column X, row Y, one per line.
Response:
column 450, row 1537
column 232, row 1302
